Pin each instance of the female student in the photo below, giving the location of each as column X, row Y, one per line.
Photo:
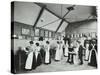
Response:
column 76, row 48
column 93, row 53
column 80, row 52
column 57, row 55
column 70, row 54
column 30, row 61
column 66, row 49
column 61, row 49
column 47, row 53
column 38, row 55
column 86, row 45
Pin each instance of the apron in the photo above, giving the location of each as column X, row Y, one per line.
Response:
column 66, row 50
column 29, row 61
column 57, row 56
column 47, row 54
column 87, row 52
column 76, row 60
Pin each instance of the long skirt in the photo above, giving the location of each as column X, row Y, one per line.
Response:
column 61, row 53
column 66, row 51
column 29, row 61
column 57, row 55
column 47, row 57
column 87, row 54
column 38, row 58
column 42, row 52
column 93, row 58
column 76, row 60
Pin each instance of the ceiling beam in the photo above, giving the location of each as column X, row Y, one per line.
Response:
column 40, row 14
column 59, row 25
column 41, row 5
column 69, row 9
column 84, row 21
column 62, row 18
column 62, row 21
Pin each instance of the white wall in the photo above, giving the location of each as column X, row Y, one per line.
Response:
column 26, row 12
column 82, row 27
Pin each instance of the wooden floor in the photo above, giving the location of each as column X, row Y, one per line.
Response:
column 61, row 66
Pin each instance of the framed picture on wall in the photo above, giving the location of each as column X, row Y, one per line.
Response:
column 49, row 34
column 32, row 33
column 36, row 32
column 46, row 33
column 41, row 32
column 93, row 34
column 25, row 31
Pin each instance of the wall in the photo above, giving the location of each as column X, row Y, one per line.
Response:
column 25, row 12
column 82, row 27
column 18, row 28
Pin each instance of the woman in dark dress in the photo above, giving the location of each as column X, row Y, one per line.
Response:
column 70, row 54
column 93, row 53
column 80, row 53
column 47, row 53
column 38, row 55
column 31, row 59
column 42, row 50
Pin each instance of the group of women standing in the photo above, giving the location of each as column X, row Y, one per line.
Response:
column 82, row 49
column 34, row 55
column 75, row 52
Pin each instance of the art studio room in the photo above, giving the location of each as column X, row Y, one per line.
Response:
column 49, row 37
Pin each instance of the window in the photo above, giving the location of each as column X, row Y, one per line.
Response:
column 46, row 33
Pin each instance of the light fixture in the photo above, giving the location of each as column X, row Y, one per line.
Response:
column 70, row 8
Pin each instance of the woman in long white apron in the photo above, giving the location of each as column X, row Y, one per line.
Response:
column 29, row 60
column 87, row 52
column 47, row 53
column 57, row 55
column 38, row 55
column 76, row 60
column 61, row 49
column 66, row 49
